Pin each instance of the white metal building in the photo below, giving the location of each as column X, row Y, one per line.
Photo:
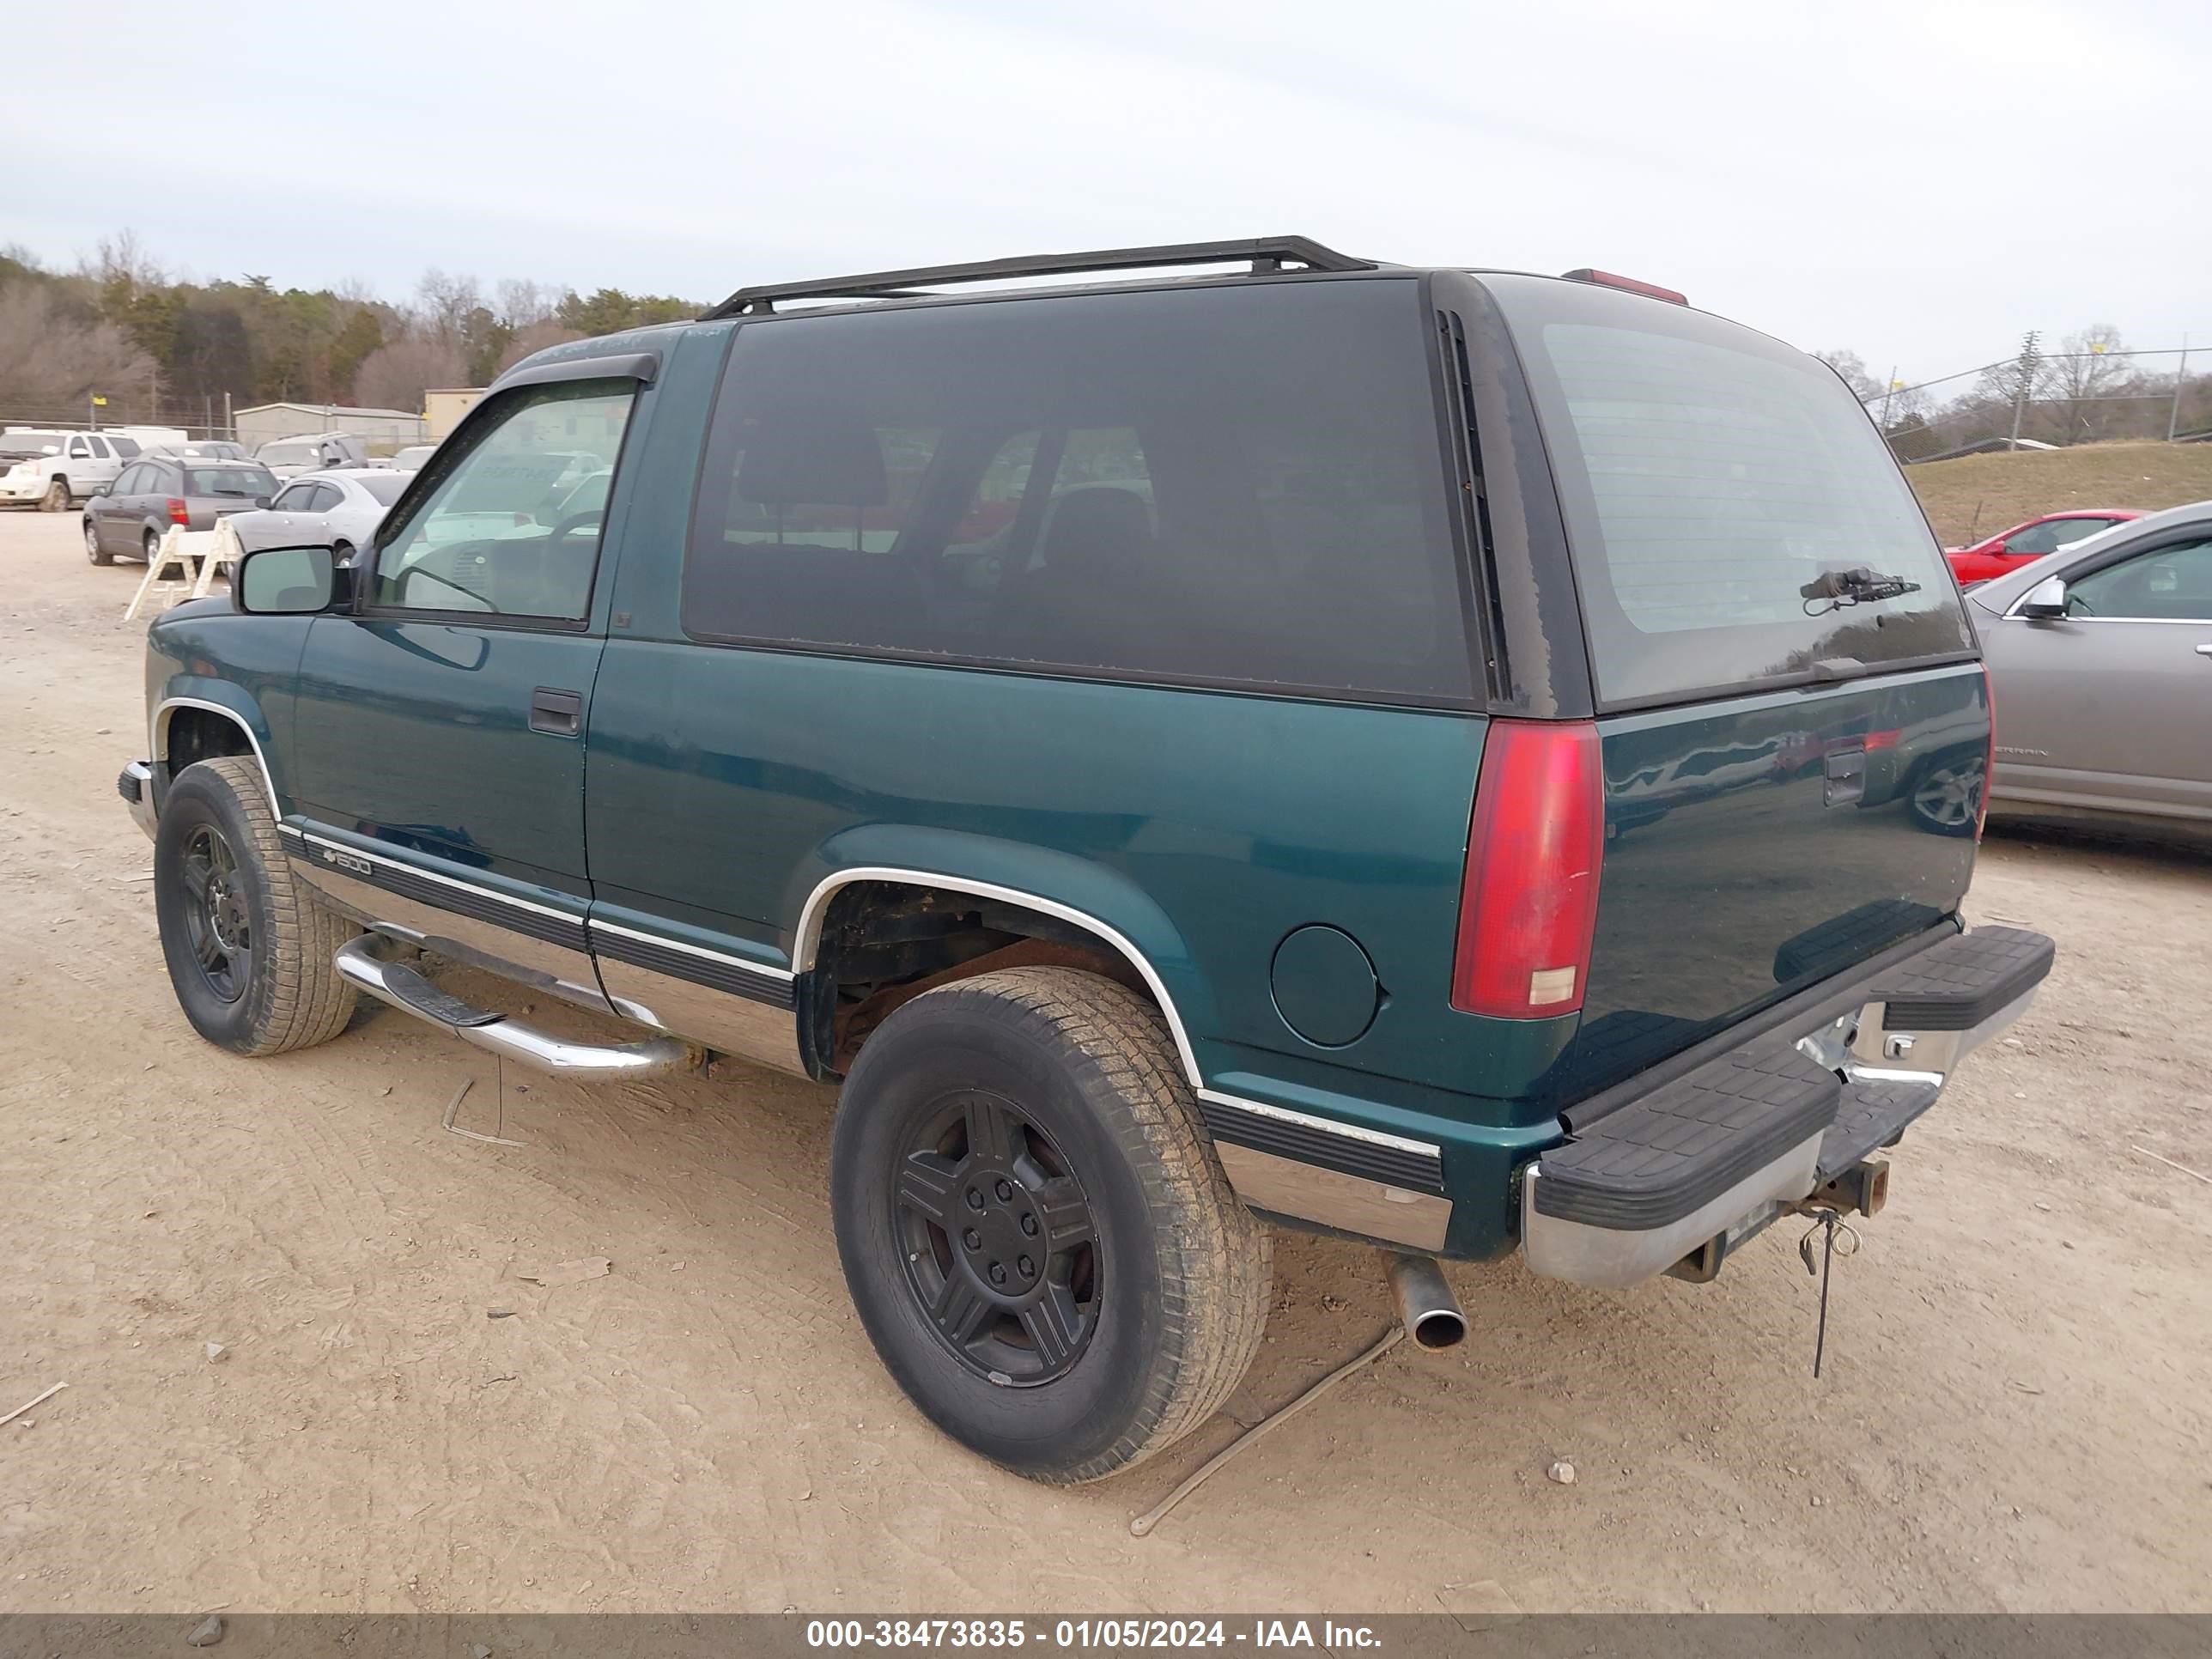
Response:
column 380, row 429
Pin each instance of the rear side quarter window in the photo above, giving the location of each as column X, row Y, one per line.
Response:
column 1237, row 485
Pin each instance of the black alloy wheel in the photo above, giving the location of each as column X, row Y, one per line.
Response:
column 999, row 1240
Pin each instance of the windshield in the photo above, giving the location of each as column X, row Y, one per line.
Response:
column 247, row 480
column 1719, row 487
column 384, row 487
column 285, row 454
column 29, row 443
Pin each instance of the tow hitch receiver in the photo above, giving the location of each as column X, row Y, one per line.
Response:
column 1862, row 1189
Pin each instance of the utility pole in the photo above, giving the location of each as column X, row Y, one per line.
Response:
column 2180, row 379
column 2023, row 372
column 1889, row 391
column 229, row 426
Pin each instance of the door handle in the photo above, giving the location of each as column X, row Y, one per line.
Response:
column 2205, row 650
column 557, row 714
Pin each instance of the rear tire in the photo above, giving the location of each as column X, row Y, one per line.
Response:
column 93, row 550
column 150, row 546
column 249, row 948
column 1034, row 1228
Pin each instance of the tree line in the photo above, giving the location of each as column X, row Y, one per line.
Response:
column 166, row 349
column 2091, row 388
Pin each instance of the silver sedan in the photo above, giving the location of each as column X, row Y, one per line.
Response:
column 2100, row 658
column 339, row 509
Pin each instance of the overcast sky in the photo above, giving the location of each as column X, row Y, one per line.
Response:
column 1918, row 181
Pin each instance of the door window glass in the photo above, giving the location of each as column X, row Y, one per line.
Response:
column 497, row 534
column 2053, row 534
column 2169, row 584
column 297, row 498
column 129, row 481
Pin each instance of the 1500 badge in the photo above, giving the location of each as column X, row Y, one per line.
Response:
column 348, row 862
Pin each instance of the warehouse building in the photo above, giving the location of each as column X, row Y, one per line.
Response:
column 382, row 429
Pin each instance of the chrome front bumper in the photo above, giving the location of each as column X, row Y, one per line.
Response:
column 135, row 785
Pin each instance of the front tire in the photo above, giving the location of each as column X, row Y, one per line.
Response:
column 93, row 550
column 57, row 498
column 1038, row 1235
column 249, row 948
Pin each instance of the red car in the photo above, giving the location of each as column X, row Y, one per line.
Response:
column 2016, row 546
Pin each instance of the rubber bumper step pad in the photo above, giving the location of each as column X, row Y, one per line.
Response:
column 1663, row 1156
column 1964, row 981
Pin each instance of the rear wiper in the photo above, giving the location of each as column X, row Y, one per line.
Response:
column 1831, row 590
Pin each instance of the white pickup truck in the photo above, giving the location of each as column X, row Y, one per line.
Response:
column 56, row 469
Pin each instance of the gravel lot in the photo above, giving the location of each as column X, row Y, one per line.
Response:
column 2013, row 1414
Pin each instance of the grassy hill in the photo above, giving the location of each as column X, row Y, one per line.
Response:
column 1977, row 495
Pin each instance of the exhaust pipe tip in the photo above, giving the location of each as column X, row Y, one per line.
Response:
column 1426, row 1307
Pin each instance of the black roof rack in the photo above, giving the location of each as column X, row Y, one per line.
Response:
column 1265, row 252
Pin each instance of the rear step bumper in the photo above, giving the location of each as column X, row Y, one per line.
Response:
column 404, row 989
column 1716, row 1152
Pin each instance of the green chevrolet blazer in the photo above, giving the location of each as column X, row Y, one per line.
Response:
column 1468, row 760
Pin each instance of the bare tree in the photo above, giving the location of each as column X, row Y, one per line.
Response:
column 51, row 362
column 1853, row 368
column 534, row 337
column 396, row 375
column 521, row 304
column 2088, row 368
column 446, row 304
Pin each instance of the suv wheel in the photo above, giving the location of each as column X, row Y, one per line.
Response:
column 93, row 550
column 150, row 546
column 1947, row 798
column 249, row 948
column 57, row 498
column 1038, row 1236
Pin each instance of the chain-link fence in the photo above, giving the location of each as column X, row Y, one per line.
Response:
column 2050, row 400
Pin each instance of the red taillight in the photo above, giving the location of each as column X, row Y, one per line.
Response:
column 1527, row 902
column 1608, row 279
column 178, row 513
column 1989, row 761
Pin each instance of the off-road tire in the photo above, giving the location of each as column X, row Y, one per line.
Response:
column 57, row 498
column 1183, row 1268
column 93, row 550
column 293, row 997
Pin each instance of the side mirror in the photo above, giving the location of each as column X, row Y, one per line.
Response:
column 103, row 489
column 261, row 502
column 2045, row 601
column 286, row 581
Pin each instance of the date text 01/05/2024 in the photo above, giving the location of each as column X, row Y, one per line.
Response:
column 1086, row 1633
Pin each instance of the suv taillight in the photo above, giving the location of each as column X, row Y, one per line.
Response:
column 178, row 511
column 1990, row 759
column 1528, row 901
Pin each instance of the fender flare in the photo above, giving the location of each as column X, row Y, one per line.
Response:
column 157, row 733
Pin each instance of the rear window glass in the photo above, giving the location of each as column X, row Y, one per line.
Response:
column 1226, row 484
column 383, row 488
column 126, row 448
column 1709, row 475
column 228, row 480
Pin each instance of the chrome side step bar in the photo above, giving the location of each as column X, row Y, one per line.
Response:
column 406, row 989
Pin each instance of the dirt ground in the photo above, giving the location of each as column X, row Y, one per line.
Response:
column 2013, row 1414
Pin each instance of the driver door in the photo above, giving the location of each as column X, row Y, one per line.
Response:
column 2111, row 706
column 438, row 741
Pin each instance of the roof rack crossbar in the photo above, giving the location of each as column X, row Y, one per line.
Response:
column 1266, row 253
